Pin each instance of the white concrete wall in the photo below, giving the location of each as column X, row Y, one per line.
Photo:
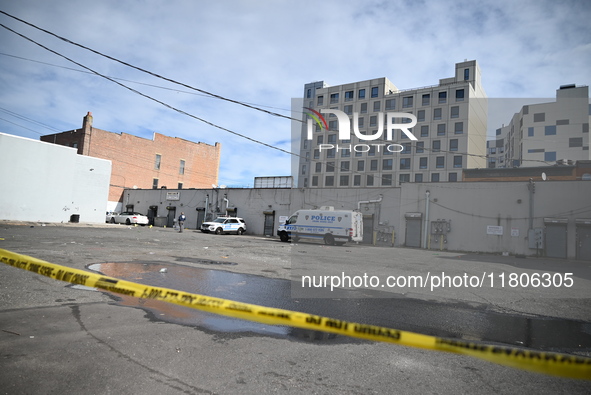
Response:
column 48, row 183
column 470, row 206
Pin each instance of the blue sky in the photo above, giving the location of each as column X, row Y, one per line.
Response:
column 263, row 52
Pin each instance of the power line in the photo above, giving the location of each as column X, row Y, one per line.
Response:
column 150, row 97
column 141, row 69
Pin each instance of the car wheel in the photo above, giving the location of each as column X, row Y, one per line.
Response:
column 219, row 231
column 112, row 220
column 240, row 231
column 127, row 221
column 284, row 237
column 329, row 239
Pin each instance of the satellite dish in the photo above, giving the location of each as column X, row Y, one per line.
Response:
column 223, row 187
column 135, row 187
column 544, row 176
column 214, row 186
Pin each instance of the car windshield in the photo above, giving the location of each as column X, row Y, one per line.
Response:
column 220, row 220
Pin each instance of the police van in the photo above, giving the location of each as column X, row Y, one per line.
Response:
column 334, row 227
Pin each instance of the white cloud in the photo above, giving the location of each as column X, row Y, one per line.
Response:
column 263, row 52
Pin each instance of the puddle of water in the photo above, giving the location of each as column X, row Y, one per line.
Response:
column 440, row 319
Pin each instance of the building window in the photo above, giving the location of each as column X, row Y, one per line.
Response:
column 345, row 152
column 442, row 97
column 345, row 165
column 441, row 129
column 361, row 93
column 421, row 116
column 182, row 167
column 540, row 117
column 329, row 181
column 550, row 130
column 155, row 183
column 419, row 177
column 391, row 104
column 157, row 162
column 330, row 153
column 320, row 100
column 330, row 167
column 180, row 185
column 387, row 164
column 406, row 148
column 348, row 109
column 404, row 163
column 334, row 98
column 316, row 154
column 318, row 168
column 458, row 161
column 459, row 95
column 356, row 180
column 466, row 74
column 459, row 128
column 455, row 112
column 332, row 139
column 344, row 181
column 420, row 147
column 453, row 144
column 374, row 91
column 373, row 165
column 348, row 95
column 452, row 177
column 434, row 177
column 372, row 151
column 361, row 165
column 575, row 142
column 550, row 156
column 423, row 163
column 304, row 170
column 386, row 180
column 436, row 145
column 314, row 181
column 333, row 125
column 376, row 106
column 440, row 162
column 407, row 102
column 426, row 99
column 436, row 113
column 424, row 130
column 363, row 108
column 369, row 181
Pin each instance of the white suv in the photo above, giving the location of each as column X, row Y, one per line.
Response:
column 223, row 225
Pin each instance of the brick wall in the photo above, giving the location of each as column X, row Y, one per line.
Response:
column 133, row 158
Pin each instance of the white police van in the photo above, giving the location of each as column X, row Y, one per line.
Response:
column 334, row 227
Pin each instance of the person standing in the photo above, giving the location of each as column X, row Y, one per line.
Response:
column 181, row 222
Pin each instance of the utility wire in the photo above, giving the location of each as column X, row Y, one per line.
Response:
column 150, row 97
column 144, row 70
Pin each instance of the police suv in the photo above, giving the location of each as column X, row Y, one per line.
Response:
column 223, row 225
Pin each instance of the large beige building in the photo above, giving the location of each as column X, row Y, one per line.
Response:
column 450, row 131
column 546, row 133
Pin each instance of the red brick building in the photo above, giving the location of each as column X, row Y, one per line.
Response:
column 163, row 162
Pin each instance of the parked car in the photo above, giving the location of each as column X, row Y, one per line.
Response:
column 223, row 225
column 129, row 218
column 110, row 214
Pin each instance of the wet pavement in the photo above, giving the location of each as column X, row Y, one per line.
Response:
column 452, row 320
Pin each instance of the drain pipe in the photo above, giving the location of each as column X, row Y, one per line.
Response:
column 426, row 226
column 206, row 206
column 227, row 203
column 368, row 201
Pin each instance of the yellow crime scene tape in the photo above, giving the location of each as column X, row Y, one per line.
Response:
column 556, row 364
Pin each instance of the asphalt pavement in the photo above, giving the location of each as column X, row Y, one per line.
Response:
column 55, row 338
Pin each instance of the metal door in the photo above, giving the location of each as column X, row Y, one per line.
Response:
column 584, row 240
column 200, row 217
column 368, row 229
column 413, row 232
column 269, row 224
column 171, row 216
column 556, row 240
